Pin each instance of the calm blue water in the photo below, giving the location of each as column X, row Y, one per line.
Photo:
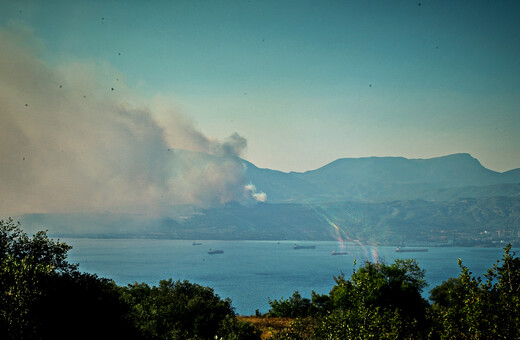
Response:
column 250, row 272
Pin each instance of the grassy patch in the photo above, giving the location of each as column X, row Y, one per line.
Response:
column 268, row 325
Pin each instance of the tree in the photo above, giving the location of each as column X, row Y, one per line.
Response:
column 449, row 293
column 42, row 296
column 377, row 301
column 478, row 309
column 395, row 286
column 19, row 291
column 295, row 306
column 184, row 310
column 83, row 305
column 39, row 249
column 24, row 263
column 380, row 297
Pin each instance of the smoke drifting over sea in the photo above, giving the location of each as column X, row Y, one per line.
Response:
column 73, row 137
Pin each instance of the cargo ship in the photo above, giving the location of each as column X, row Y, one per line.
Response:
column 298, row 246
column 216, row 251
column 410, row 250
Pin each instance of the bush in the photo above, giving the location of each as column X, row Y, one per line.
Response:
column 295, row 306
column 183, row 310
column 468, row 307
column 377, row 301
column 42, row 296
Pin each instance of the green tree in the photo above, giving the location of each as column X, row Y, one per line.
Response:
column 363, row 323
column 295, row 306
column 42, row 296
column 380, row 297
column 184, row 310
column 320, row 304
column 298, row 306
column 19, row 292
column 481, row 309
column 378, row 301
column 38, row 249
column 395, row 286
column 24, row 263
column 449, row 293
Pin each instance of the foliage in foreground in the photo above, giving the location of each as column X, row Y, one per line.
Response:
column 382, row 301
column 471, row 308
column 42, row 296
column 378, row 300
column 183, row 310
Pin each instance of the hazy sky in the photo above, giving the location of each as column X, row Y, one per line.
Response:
column 288, row 85
column 306, row 82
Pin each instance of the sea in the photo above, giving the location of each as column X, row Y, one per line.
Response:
column 251, row 273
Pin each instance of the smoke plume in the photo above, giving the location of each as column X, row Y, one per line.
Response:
column 73, row 137
column 250, row 190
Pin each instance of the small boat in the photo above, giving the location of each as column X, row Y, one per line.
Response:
column 196, row 243
column 338, row 252
column 410, row 250
column 216, row 251
column 298, row 246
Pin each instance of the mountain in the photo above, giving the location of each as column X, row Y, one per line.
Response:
column 379, row 179
column 449, row 200
column 281, row 186
column 512, row 175
column 483, row 221
column 452, row 170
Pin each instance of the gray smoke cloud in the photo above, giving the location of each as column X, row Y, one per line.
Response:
column 231, row 146
column 73, row 137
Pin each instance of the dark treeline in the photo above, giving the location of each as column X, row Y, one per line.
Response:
column 42, row 296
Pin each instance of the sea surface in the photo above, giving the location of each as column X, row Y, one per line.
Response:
column 252, row 272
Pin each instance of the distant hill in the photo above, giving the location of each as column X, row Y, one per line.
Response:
column 483, row 221
column 450, row 200
column 379, row 179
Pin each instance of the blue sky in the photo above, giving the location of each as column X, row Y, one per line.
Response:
column 307, row 82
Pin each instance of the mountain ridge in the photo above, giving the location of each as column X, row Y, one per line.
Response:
column 448, row 200
column 377, row 178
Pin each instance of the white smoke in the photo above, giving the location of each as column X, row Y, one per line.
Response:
column 250, row 191
column 75, row 138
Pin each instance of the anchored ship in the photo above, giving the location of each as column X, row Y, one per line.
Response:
column 216, row 251
column 410, row 250
column 298, row 246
